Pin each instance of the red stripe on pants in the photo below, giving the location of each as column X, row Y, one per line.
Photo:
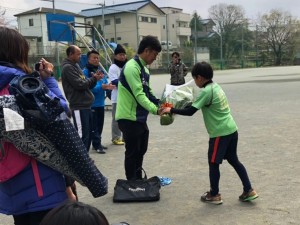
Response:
column 216, row 145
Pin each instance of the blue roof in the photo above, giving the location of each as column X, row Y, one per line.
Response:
column 113, row 9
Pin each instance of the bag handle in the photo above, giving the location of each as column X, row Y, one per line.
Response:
column 145, row 174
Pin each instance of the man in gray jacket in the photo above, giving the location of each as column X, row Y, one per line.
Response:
column 77, row 91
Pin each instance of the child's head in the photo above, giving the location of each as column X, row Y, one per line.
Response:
column 202, row 72
column 75, row 213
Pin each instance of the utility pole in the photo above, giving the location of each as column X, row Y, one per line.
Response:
column 256, row 44
column 167, row 34
column 137, row 29
column 103, row 29
column 221, row 49
column 56, row 44
column 195, row 37
column 243, row 44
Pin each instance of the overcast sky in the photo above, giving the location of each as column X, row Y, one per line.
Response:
column 252, row 7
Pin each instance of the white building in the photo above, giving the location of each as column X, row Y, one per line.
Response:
column 176, row 26
column 126, row 23
column 32, row 25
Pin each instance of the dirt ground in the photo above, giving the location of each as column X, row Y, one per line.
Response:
column 265, row 104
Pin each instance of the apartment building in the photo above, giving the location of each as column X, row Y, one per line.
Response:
column 175, row 26
column 127, row 23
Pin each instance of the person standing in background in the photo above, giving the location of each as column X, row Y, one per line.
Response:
column 177, row 69
column 77, row 91
column 114, row 74
column 91, row 68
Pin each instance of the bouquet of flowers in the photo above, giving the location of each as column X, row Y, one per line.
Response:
column 177, row 97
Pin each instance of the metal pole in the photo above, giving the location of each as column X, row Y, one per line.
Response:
column 221, row 51
column 53, row 1
column 56, row 49
column 243, row 45
column 103, row 30
column 195, row 60
column 137, row 30
column 56, row 44
column 103, row 20
column 167, row 33
column 256, row 43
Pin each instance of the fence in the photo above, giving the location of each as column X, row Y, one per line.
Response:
column 251, row 58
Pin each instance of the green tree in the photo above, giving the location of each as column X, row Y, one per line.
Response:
column 196, row 19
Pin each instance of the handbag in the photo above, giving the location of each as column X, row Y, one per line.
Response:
column 144, row 190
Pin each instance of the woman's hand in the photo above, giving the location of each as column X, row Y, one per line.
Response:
column 71, row 196
column 46, row 68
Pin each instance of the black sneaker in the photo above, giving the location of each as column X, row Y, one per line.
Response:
column 104, row 147
column 100, row 151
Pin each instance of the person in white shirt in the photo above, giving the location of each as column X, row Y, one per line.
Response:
column 114, row 71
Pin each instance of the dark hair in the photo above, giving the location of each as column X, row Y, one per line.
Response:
column 175, row 53
column 119, row 49
column 92, row 52
column 71, row 50
column 14, row 48
column 75, row 213
column 203, row 69
column 150, row 42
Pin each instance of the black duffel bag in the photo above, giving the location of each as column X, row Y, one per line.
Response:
column 143, row 190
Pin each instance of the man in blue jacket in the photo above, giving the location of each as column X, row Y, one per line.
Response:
column 98, row 104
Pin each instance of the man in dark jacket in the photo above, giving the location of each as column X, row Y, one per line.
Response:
column 177, row 69
column 77, row 91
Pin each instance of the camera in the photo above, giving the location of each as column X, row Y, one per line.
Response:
column 37, row 66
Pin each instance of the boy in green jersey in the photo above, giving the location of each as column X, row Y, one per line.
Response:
column 222, row 130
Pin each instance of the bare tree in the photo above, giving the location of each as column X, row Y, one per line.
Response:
column 3, row 21
column 278, row 29
column 230, row 22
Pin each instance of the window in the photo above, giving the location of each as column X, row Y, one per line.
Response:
column 164, row 26
column 153, row 20
column 144, row 19
column 30, row 22
column 172, row 25
column 148, row 19
column 118, row 20
column 106, row 22
column 119, row 38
